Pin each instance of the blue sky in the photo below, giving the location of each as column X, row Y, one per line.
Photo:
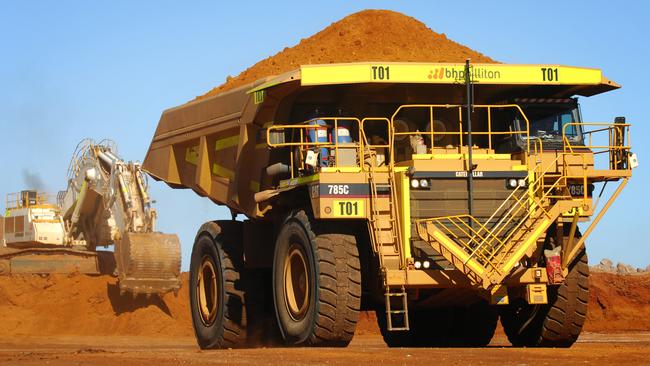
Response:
column 107, row 69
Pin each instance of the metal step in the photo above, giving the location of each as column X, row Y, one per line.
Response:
column 385, row 237
column 383, row 222
column 394, row 314
column 382, row 204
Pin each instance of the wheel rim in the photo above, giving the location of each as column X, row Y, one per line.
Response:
column 296, row 283
column 207, row 291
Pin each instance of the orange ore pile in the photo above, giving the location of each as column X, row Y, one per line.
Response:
column 369, row 35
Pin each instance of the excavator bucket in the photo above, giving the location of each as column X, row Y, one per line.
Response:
column 149, row 263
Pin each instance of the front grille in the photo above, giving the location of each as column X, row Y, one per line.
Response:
column 448, row 197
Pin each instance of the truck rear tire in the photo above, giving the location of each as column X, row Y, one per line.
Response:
column 556, row 324
column 317, row 283
column 216, row 297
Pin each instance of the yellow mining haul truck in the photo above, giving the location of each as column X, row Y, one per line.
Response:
column 443, row 196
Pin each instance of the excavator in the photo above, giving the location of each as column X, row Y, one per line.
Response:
column 106, row 203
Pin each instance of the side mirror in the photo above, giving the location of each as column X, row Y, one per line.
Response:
column 634, row 161
column 619, row 141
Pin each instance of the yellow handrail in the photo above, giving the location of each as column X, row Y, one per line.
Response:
column 390, row 122
column 490, row 133
column 617, row 134
column 305, row 145
column 365, row 138
column 26, row 199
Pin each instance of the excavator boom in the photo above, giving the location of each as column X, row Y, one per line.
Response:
column 107, row 203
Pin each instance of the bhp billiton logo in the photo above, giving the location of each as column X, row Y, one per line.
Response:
column 437, row 73
column 475, row 74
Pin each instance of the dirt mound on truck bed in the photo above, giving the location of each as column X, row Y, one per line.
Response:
column 369, row 35
column 92, row 305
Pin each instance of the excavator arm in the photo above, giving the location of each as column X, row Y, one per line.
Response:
column 107, row 203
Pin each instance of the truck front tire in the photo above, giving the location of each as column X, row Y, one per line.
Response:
column 316, row 283
column 556, row 324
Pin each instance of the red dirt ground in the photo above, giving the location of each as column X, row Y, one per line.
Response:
column 369, row 35
column 82, row 320
column 591, row 349
column 91, row 305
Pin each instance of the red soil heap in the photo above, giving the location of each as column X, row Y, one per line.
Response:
column 92, row 305
column 87, row 305
column 369, row 35
column 618, row 303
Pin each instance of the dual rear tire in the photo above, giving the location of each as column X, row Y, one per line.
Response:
column 218, row 302
column 316, row 281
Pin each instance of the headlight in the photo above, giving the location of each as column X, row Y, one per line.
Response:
column 512, row 183
column 417, row 264
column 415, row 183
column 424, row 183
column 521, row 182
column 426, row 264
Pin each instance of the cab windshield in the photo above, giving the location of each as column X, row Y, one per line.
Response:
column 547, row 121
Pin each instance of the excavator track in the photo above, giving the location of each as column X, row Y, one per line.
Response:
column 55, row 260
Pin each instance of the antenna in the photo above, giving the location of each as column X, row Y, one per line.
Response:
column 470, row 163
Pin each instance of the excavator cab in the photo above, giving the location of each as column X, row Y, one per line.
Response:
column 28, row 198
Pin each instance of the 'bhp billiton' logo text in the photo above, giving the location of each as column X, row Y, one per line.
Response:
column 451, row 73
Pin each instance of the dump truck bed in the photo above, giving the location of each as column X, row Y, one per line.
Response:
column 216, row 145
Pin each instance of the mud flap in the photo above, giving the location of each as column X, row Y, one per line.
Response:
column 149, row 263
